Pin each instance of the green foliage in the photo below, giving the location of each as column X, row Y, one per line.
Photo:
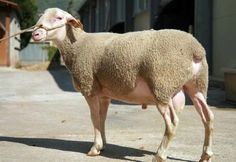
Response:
column 29, row 11
column 53, row 54
column 18, row 65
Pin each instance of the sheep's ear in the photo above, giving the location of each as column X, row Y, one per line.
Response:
column 75, row 23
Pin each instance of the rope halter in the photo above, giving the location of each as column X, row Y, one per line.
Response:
column 31, row 29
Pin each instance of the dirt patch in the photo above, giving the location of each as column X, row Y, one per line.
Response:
column 36, row 67
column 42, row 66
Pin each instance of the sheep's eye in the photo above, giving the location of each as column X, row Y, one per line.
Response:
column 59, row 18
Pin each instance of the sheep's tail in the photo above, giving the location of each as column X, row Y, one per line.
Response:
column 202, row 78
column 198, row 51
column 199, row 55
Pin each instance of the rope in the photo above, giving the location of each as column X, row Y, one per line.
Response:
column 31, row 29
column 49, row 29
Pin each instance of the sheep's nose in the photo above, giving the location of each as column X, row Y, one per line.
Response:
column 34, row 34
column 37, row 32
column 37, row 35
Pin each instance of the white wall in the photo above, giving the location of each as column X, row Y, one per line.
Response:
column 14, row 43
column 224, row 36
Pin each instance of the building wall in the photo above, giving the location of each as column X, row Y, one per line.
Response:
column 15, row 41
column 117, row 12
column 141, row 15
column 9, row 53
column 203, row 27
column 224, row 36
column 34, row 53
column 142, row 21
column 4, row 45
column 102, row 15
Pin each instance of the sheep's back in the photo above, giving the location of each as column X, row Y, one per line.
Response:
column 163, row 58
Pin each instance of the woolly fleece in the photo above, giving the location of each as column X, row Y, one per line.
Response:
column 114, row 61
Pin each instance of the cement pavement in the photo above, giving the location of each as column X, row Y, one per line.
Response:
column 42, row 119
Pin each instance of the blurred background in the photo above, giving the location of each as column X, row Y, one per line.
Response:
column 213, row 23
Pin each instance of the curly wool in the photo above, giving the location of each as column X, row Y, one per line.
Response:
column 114, row 61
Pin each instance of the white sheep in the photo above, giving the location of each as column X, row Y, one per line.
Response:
column 146, row 67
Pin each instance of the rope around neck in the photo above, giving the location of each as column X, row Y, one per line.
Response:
column 31, row 29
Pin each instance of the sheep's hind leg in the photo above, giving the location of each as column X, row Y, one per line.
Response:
column 104, row 103
column 171, row 122
column 207, row 117
column 94, row 106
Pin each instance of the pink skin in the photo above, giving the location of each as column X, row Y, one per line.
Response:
column 39, row 34
column 51, row 18
column 179, row 101
column 141, row 94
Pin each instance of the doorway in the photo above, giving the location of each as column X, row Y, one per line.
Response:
column 118, row 28
column 176, row 14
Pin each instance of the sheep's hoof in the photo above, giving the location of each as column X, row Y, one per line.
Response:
column 206, row 158
column 94, row 151
column 158, row 159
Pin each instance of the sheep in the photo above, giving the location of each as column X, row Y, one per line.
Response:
column 144, row 67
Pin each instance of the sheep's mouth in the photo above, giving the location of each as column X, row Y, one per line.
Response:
column 39, row 35
column 36, row 38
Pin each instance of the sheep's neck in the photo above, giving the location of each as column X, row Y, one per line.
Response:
column 69, row 46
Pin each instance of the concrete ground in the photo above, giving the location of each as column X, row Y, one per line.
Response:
column 42, row 119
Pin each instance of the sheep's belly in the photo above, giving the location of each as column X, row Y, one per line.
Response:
column 141, row 94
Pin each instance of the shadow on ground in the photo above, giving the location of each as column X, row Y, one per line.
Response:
column 112, row 151
column 60, row 74
column 117, row 102
column 63, row 79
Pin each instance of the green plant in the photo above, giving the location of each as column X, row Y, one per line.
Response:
column 18, row 65
column 53, row 54
column 28, row 9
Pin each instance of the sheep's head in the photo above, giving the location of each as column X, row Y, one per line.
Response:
column 51, row 25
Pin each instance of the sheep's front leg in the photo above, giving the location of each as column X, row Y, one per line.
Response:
column 94, row 106
column 171, row 122
column 104, row 103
